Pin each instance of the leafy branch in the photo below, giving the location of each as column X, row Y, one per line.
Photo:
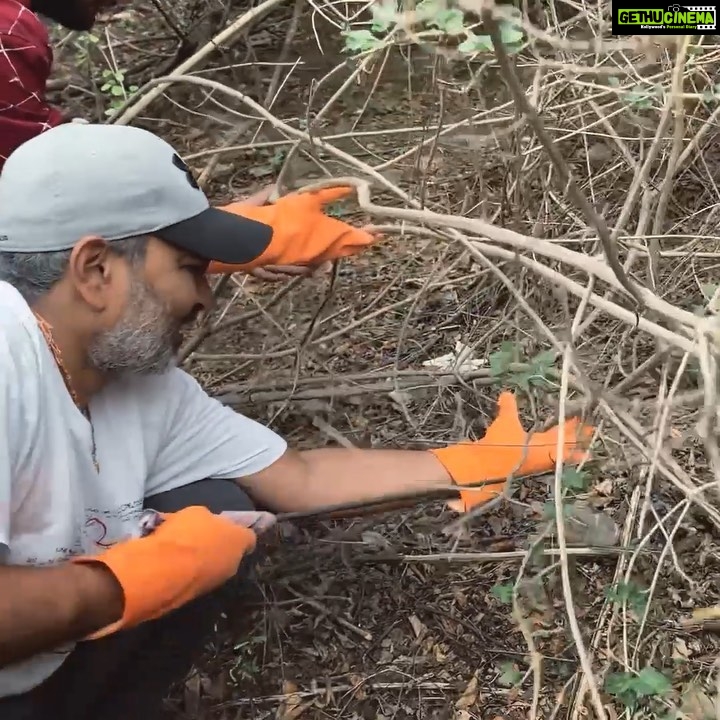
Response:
column 631, row 688
column 534, row 375
column 431, row 18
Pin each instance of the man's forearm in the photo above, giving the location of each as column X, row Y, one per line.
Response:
column 310, row 479
column 44, row 608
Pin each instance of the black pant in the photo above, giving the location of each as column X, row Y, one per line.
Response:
column 125, row 676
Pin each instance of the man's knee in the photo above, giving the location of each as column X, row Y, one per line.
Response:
column 216, row 495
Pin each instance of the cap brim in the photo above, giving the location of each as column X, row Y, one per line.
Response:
column 218, row 235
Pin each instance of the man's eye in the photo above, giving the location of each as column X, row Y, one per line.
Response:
column 196, row 270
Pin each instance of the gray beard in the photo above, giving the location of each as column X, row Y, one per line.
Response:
column 142, row 341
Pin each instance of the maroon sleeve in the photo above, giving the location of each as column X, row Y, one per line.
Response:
column 25, row 65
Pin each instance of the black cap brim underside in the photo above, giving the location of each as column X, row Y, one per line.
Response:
column 221, row 236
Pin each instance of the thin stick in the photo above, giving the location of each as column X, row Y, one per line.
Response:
column 364, row 634
column 585, row 661
column 591, row 216
column 672, row 164
column 491, row 557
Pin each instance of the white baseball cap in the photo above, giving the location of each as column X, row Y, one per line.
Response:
column 116, row 182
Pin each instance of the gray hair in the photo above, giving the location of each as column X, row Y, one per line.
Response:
column 34, row 274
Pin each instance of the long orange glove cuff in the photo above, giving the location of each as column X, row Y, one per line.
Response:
column 302, row 234
column 190, row 553
column 501, row 451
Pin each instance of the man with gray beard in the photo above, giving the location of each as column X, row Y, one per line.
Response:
column 105, row 242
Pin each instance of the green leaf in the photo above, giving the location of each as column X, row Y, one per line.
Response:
column 277, row 160
column 475, row 44
column 574, row 479
column 510, row 34
column 117, row 90
column 642, row 97
column 501, row 359
column 652, row 682
column 534, row 377
column 360, row 40
column 510, row 675
column 504, row 593
column 544, row 359
column 523, row 379
column 451, row 21
column 629, row 688
column 636, row 99
column 708, row 290
column 617, row 683
column 613, row 81
column 384, row 16
column 427, row 9
column 709, row 96
column 628, row 592
column 105, row 87
column 620, row 685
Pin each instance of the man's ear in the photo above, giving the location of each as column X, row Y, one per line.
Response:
column 91, row 270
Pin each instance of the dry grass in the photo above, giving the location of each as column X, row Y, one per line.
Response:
column 502, row 231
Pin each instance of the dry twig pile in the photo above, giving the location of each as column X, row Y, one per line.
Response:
column 548, row 196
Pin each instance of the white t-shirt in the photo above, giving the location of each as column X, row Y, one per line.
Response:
column 152, row 433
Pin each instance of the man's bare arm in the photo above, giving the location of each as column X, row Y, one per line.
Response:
column 306, row 480
column 43, row 608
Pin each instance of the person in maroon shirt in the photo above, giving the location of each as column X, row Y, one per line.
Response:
column 26, row 62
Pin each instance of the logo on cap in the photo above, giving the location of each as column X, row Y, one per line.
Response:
column 179, row 163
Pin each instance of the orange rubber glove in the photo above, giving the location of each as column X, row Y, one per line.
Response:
column 302, row 234
column 500, row 452
column 190, row 553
